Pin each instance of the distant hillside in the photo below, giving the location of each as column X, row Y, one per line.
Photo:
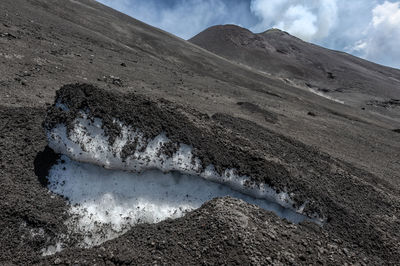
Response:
column 343, row 76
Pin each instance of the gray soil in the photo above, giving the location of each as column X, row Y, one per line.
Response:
column 342, row 159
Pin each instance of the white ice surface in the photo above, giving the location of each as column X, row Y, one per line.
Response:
column 147, row 186
column 105, row 203
column 87, row 142
column 51, row 250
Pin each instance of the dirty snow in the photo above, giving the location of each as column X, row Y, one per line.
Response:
column 105, row 203
column 109, row 194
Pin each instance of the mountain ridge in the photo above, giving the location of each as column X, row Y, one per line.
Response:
column 348, row 78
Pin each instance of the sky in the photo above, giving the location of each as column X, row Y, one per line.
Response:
column 366, row 28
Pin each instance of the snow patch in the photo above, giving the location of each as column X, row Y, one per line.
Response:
column 114, row 186
column 325, row 96
column 87, row 142
column 52, row 249
column 106, row 203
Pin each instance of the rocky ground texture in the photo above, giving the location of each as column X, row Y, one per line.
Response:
column 342, row 158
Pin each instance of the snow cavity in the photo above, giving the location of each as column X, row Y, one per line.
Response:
column 105, row 203
column 87, row 142
column 111, row 188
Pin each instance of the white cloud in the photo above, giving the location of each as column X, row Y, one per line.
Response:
column 387, row 13
column 381, row 39
column 309, row 20
column 299, row 21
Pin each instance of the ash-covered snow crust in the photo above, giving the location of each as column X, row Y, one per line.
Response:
column 149, row 176
column 105, row 203
column 87, row 142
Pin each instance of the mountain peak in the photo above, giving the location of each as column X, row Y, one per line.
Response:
column 280, row 54
column 274, row 31
column 219, row 31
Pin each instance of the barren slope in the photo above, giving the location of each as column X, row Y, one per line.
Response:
column 342, row 159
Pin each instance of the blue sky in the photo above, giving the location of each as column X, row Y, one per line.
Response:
column 366, row 28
